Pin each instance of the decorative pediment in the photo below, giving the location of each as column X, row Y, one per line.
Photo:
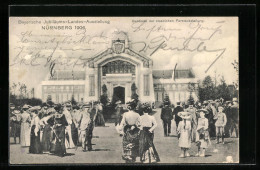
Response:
column 118, row 47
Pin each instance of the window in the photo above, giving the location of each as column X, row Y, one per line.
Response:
column 146, row 85
column 91, row 85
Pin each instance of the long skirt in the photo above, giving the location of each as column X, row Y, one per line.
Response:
column 58, row 142
column 130, row 144
column 74, row 132
column 35, row 146
column 100, row 121
column 147, row 151
column 193, row 132
column 203, row 141
column 25, row 134
column 46, row 138
column 185, row 139
column 15, row 129
column 68, row 140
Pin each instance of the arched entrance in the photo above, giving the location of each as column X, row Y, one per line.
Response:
column 119, row 94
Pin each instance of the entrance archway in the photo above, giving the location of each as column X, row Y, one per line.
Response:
column 119, row 94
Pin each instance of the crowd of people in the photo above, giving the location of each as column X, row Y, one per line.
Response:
column 200, row 123
column 55, row 128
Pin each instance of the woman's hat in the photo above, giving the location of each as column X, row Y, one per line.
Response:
column 87, row 105
column 68, row 105
column 220, row 107
column 34, row 109
column 44, row 104
column 147, row 108
column 57, row 107
column 16, row 111
column 118, row 102
column 131, row 104
column 184, row 115
column 205, row 102
column 202, row 110
column 26, row 106
column 75, row 107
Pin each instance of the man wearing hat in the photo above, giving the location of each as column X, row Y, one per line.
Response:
column 176, row 110
column 85, row 127
column 119, row 112
column 234, row 116
column 166, row 116
column 194, row 121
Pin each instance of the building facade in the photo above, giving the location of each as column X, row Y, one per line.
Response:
column 118, row 68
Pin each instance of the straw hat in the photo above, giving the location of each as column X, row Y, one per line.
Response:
column 26, row 106
column 184, row 115
column 118, row 102
column 202, row 110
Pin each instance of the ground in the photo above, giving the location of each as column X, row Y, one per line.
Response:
column 107, row 148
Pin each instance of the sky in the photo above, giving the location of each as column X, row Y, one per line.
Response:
column 208, row 45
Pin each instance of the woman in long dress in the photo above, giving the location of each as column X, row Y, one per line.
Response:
column 100, row 121
column 184, row 133
column 147, row 124
column 47, row 132
column 59, row 123
column 35, row 143
column 25, row 127
column 202, row 134
column 131, row 131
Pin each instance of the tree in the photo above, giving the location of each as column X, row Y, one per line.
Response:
column 222, row 90
column 206, row 91
column 236, row 67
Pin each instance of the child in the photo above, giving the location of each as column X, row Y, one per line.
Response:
column 202, row 134
column 220, row 124
column 184, row 133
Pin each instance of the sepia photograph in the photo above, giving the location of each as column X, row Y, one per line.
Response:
column 123, row 90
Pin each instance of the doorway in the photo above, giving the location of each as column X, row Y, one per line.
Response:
column 119, row 94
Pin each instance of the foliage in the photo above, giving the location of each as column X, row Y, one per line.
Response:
column 210, row 92
column 21, row 102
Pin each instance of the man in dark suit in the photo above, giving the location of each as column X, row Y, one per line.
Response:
column 234, row 110
column 176, row 110
column 166, row 117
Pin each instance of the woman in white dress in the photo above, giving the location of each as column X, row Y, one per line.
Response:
column 147, row 124
column 184, row 133
column 25, row 127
